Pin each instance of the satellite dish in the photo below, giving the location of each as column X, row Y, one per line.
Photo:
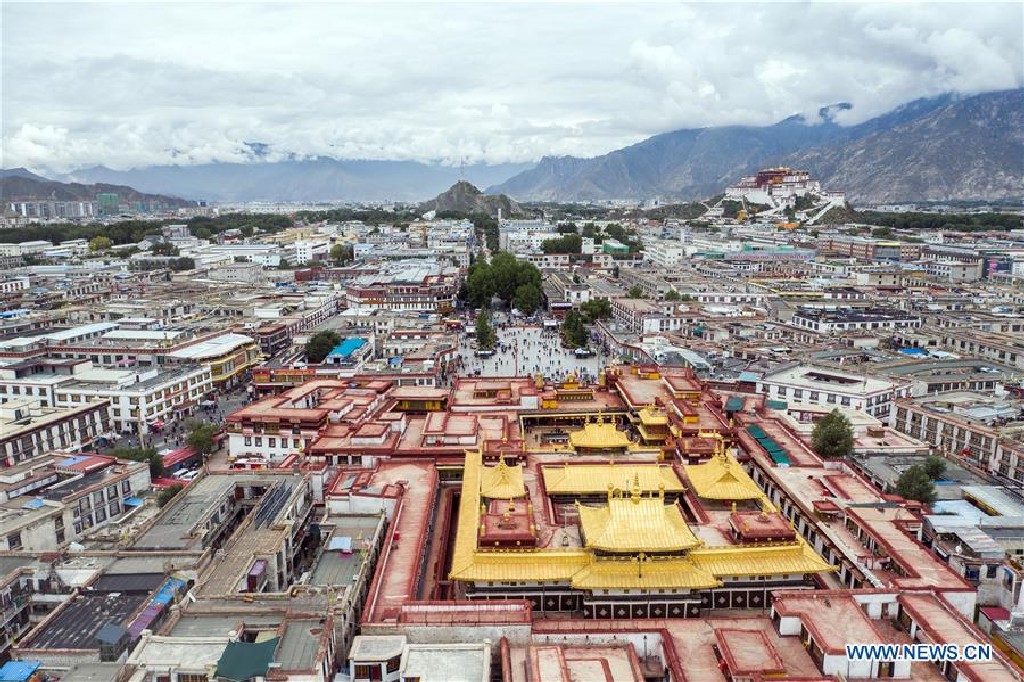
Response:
column 958, row 549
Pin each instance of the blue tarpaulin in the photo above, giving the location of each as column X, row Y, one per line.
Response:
column 35, row 503
column 71, row 461
column 348, row 347
column 18, row 671
column 133, row 502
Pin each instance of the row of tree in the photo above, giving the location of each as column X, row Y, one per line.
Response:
column 132, row 231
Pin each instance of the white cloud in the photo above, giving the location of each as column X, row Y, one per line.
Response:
column 139, row 84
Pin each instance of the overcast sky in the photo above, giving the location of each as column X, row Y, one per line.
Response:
column 135, row 84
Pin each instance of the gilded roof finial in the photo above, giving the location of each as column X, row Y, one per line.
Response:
column 634, row 492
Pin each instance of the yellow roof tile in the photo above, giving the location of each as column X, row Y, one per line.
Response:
column 502, row 482
column 636, row 524
column 594, row 479
column 602, row 435
column 722, row 478
column 789, row 558
column 678, row 573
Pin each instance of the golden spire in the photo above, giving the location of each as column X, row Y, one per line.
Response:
column 634, row 492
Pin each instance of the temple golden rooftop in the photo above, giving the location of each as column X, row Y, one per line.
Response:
column 635, row 524
column 502, row 482
column 595, row 479
column 722, row 478
column 599, row 436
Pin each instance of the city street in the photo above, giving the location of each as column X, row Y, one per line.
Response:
column 528, row 350
column 173, row 434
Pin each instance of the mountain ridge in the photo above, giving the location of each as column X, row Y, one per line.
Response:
column 308, row 180
column 15, row 185
column 689, row 164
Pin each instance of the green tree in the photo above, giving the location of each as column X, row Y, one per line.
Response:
column 833, row 436
column 480, row 284
column 574, row 333
column 527, row 298
column 505, row 274
column 935, row 467
column 247, row 231
column 100, row 243
column 635, row 292
column 569, row 243
column 148, row 455
column 164, row 249
column 916, row 484
column 882, row 232
column 201, row 437
column 673, row 295
column 596, row 309
column 485, row 336
column 320, row 344
column 168, row 494
column 341, row 253
column 567, row 228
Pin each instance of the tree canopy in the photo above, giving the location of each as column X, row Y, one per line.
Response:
column 320, row 344
column 100, row 243
column 596, row 309
column 517, row 283
column 635, row 292
column 569, row 243
column 169, row 493
column 916, row 484
column 485, row 335
column 341, row 253
column 148, row 455
column 574, row 333
column 833, row 436
column 201, row 437
column 935, row 467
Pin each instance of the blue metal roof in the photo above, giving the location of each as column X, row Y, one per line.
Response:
column 18, row 671
column 347, row 347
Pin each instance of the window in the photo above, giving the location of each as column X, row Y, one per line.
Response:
column 248, row 440
column 112, row 492
column 14, row 541
column 191, row 677
column 101, row 515
column 393, row 664
column 259, row 442
column 126, row 486
column 272, row 442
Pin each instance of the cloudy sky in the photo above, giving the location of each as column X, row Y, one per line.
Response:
column 136, row 84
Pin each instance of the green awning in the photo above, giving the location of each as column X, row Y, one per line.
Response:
column 777, row 404
column 243, row 661
column 734, row 404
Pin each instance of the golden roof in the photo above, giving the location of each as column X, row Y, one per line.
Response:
column 636, row 524
column 788, row 558
column 700, row 568
column 602, row 435
column 595, row 479
column 651, row 416
column 678, row 573
column 722, row 478
column 502, row 482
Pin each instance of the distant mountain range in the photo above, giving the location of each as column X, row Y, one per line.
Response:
column 939, row 149
column 321, row 179
column 19, row 184
column 944, row 148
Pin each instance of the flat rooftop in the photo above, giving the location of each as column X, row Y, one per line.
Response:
column 173, row 528
column 299, row 645
column 75, row 626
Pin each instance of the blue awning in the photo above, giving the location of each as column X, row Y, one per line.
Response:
column 133, row 502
